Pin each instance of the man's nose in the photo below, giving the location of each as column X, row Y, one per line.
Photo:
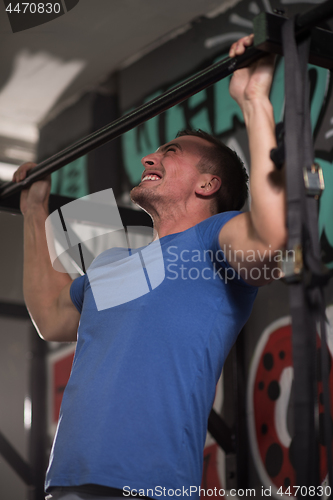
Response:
column 149, row 160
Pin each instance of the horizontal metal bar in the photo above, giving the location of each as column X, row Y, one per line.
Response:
column 143, row 113
column 19, row 465
column 174, row 96
column 129, row 216
column 14, row 310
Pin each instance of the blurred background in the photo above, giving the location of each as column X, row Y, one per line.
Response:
column 64, row 79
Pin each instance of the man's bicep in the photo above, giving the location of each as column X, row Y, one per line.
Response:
column 235, row 237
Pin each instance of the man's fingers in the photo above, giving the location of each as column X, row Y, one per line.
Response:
column 248, row 40
column 239, row 47
column 21, row 172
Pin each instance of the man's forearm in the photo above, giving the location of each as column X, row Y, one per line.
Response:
column 41, row 283
column 266, row 183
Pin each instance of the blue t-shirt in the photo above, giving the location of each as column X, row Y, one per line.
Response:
column 134, row 412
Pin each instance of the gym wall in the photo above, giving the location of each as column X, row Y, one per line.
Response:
column 263, row 352
column 263, row 448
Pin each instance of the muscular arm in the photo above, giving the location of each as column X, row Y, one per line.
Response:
column 46, row 291
column 255, row 236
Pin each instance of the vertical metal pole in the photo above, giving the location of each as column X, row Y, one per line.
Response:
column 242, row 448
column 38, row 435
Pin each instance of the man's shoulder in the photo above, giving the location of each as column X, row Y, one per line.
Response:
column 109, row 256
column 216, row 222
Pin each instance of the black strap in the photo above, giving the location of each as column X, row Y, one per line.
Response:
column 278, row 154
column 306, row 296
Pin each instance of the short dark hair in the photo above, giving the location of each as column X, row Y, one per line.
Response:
column 224, row 162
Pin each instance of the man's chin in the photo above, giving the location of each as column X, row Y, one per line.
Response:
column 134, row 193
column 138, row 195
column 143, row 197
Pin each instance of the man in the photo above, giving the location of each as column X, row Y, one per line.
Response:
column 134, row 413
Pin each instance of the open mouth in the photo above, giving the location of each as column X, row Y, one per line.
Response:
column 152, row 177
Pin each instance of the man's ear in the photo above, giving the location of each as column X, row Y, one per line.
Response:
column 208, row 184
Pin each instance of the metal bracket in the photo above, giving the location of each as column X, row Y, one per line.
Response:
column 314, row 180
column 291, row 269
column 268, row 37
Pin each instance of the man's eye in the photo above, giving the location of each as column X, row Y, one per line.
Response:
column 171, row 149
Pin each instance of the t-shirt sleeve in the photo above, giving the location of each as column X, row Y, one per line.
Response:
column 209, row 231
column 77, row 292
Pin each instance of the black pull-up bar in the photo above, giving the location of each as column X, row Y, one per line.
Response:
column 129, row 121
column 267, row 30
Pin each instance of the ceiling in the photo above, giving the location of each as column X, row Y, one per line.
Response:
column 45, row 68
column 102, row 33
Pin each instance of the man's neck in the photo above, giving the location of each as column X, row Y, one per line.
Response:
column 168, row 226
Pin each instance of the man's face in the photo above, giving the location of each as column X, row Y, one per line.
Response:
column 171, row 174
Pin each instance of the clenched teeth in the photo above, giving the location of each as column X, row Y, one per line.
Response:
column 151, row 178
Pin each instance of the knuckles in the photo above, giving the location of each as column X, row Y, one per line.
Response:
column 239, row 46
column 20, row 173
